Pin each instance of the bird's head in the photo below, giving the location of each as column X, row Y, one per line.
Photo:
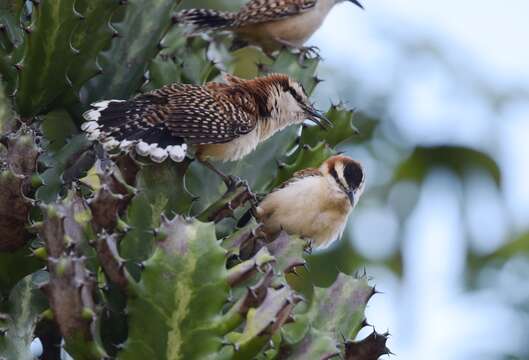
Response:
column 347, row 173
column 285, row 100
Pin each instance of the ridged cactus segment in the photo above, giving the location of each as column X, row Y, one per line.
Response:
column 339, row 309
column 47, row 54
column 305, row 157
column 64, row 166
column 11, row 38
column 342, row 130
column 154, row 180
column 370, row 348
column 91, row 37
column 17, row 325
column 138, row 33
column 71, row 287
column 111, row 198
column 237, row 197
column 151, row 200
column 332, row 315
column 288, row 63
column 289, row 251
column 197, row 67
column 10, row 26
column 15, row 186
column 246, row 269
column 264, row 321
column 180, row 296
column 163, row 70
column 5, row 111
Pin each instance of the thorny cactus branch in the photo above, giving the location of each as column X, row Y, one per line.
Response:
column 226, row 206
column 111, row 262
column 111, row 199
column 71, row 287
column 15, row 188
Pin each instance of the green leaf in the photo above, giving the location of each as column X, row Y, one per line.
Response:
column 26, row 302
column 306, row 157
column 288, row 63
column 458, row 159
column 57, row 127
column 245, row 62
column 517, row 246
column 196, row 67
column 342, row 130
column 181, row 293
column 162, row 71
column 16, row 265
column 70, row 158
column 183, row 61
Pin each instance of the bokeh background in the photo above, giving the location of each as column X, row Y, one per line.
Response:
column 442, row 93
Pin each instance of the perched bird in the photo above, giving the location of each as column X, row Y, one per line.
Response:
column 314, row 203
column 221, row 121
column 271, row 24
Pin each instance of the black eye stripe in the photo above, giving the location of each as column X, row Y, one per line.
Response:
column 295, row 95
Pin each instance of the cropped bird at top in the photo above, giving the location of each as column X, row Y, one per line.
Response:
column 271, row 24
column 221, row 121
column 314, row 203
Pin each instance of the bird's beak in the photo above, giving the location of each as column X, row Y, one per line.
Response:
column 318, row 117
column 357, row 3
column 351, row 196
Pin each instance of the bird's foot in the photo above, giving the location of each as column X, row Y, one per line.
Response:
column 308, row 53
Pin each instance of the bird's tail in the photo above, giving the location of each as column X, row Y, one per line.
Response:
column 200, row 20
column 128, row 125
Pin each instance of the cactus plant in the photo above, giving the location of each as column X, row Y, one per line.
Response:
column 135, row 260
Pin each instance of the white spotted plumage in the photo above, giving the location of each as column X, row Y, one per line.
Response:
column 222, row 121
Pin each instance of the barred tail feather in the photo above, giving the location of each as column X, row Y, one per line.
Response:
column 121, row 124
column 205, row 19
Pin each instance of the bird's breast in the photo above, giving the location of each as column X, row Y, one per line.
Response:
column 294, row 30
column 230, row 151
column 310, row 207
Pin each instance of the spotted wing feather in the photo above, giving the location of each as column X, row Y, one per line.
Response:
column 259, row 11
column 210, row 114
column 299, row 175
column 161, row 123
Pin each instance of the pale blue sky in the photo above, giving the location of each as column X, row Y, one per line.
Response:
column 459, row 56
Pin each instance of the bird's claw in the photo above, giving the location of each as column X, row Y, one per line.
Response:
column 309, row 53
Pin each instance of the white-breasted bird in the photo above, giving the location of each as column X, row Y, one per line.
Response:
column 314, row 203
